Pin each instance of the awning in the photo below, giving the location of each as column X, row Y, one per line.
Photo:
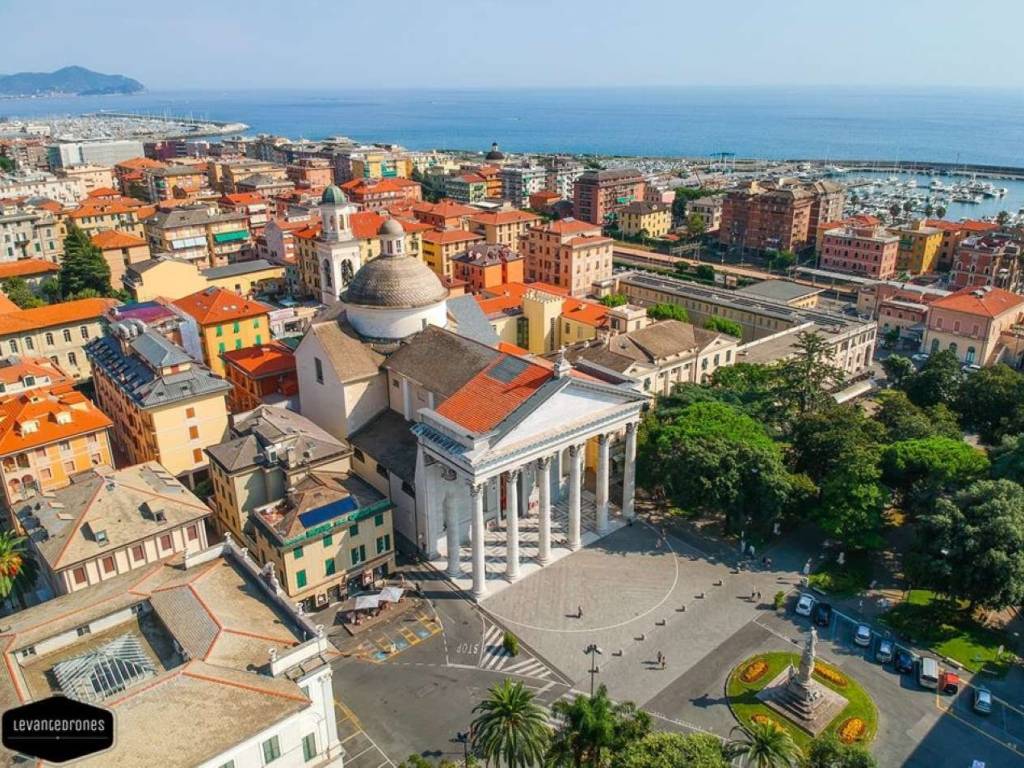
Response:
column 366, row 602
column 230, row 237
column 391, row 594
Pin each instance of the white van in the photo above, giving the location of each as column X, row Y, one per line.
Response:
column 928, row 677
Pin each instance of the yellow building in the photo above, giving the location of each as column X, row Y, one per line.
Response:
column 105, row 209
column 283, row 486
column 246, row 278
column 226, row 321
column 440, row 246
column 46, row 436
column 59, row 332
column 503, row 227
column 539, row 317
column 165, row 407
column 380, row 165
column 93, row 176
column 643, row 218
column 168, row 278
column 120, row 250
column 918, row 249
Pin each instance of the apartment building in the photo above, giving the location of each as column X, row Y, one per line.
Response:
column 226, row 321
column 918, row 247
column 444, row 215
column 173, row 182
column 483, row 265
column 767, row 216
column 466, row 188
column 42, row 184
column 130, row 177
column 709, row 209
column 261, row 374
column 562, row 173
column 954, row 233
column 200, row 234
column 864, row 251
column 165, row 406
column 106, row 152
column 120, row 250
column 162, row 278
column 105, row 209
column 378, row 195
column 59, row 332
column 226, row 175
column 441, row 246
column 568, row 253
column 993, row 260
column 643, row 218
column 598, row 195
column 47, row 435
column 103, row 523
column 311, row 173
column 828, row 203
column 24, row 373
column 30, row 232
column 518, row 182
column 92, row 176
column 976, row 324
column 254, row 206
column 502, row 227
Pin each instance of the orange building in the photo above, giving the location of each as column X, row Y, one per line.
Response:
column 46, row 436
column 311, row 173
column 226, row 321
column 446, row 214
column 503, row 227
column 120, row 251
column 568, row 253
column 129, row 175
column 260, row 375
column 378, row 195
column 253, row 205
column 488, row 266
column 21, row 374
column 105, row 209
column 441, row 246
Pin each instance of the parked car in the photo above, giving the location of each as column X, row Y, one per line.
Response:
column 884, row 653
column 862, row 636
column 982, row 701
column 949, row 682
column 805, row 604
column 905, row 661
column 822, row 614
column 928, row 676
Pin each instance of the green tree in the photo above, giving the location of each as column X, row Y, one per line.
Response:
column 763, row 745
column 695, row 226
column 782, row 260
column 724, row 325
column 593, row 729
column 852, row 501
column 810, row 375
column 705, row 272
column 712, row 457
column 673, row 750
column 822, row 440
column 14, row 562
column 940, row 211
column 897, row 368
column 17, row 290
column 923, row 469
column 990, row 401
column 938, row 381
column 905, row 421
column 6, row 164
column 827, row 751
column 972, row 546
column 511, row 728
column 668, row 312
column 1002, row 218
column 1008, row 459
column 929, row 209
column 894, row 211
column 615, row 299
column 83, row 268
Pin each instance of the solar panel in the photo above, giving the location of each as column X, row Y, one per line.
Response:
column 328, row 512
column 508, row 369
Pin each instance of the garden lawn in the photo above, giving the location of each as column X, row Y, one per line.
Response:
column 745, row 705
column 845, row 580
column 943, row 625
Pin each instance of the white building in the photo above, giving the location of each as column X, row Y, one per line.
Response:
column 518, row 182
column 100, row 152
column 337, row 249
column 66, row 191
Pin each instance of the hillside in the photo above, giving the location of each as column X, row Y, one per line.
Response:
column 78, row 81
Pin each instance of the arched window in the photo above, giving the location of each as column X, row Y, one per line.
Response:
column 935, row 346
column 952, row 347
column 328, row 277
column 969, row 357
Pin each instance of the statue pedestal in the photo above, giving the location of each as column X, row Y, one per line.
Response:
column 810, row 705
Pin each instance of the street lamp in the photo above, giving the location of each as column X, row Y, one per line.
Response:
column 594, row 652
column 463, row 739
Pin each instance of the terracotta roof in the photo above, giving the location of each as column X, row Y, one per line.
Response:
column 140, row 162
column 493, row 394
column 308, row 232
column 216, row 305
column 972, row 225
column 471, row 178
column 586, row 312
column 445, row 236
column 43, row 409
column 54, row 314
column 364, row 224
column 26, row 268
column 262, row 360
column 109, row 205
column 569, row 226
column 50, row 205
column 945, row 226
column 985, row 302
column 412, row 225
column 446, row 208
column 371, row 186
column 244, row 198
column 507, row 296
column 111, row 238
column 19, row 367
column 6, row 305
column 588, row 240
column 496, row 218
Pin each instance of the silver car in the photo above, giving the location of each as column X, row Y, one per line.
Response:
column 862, row 636
column 982, row 701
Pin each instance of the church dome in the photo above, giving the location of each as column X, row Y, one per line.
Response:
column 333, row 195
column 391, row 227
column 395, row 282
column 495, row 153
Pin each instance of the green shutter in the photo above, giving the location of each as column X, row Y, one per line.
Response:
column 300, row 578
column 298, row 553
column 329, row 567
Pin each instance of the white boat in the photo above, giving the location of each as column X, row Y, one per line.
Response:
column 836, row 170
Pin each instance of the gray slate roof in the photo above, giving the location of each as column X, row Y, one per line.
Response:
column 239, row 268
column 388, row 439
column 395, row 282
column 471, row 320
column 779, row 290
column 350, row 357
column 267, row 425
column 440, row 360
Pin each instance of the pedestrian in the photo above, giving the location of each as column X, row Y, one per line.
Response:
column 753, row 594
column 764, row 560
column 579, row 612
column 759, row 595
column 660, row 657
column 663, row 662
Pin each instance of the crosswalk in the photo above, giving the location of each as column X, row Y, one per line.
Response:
column 494, row 657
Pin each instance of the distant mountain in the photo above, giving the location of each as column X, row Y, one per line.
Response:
column 77, row 81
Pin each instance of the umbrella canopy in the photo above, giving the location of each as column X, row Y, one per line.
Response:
column 365, row 602
column 391, row 594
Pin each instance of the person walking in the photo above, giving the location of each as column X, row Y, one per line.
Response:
column 663, row 662
column 660, row 657
column 579, row 612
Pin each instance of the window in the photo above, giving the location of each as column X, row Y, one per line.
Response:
column 378, row 520
column 256, row 323
column 109, row 566
column 165, row 541
column 79, row 575
column 235, row 327
column 220, row 330
column 49, row 339
column 193, row 433
column 383, row 543
column 354, row 530
column 358, row 455
column 29, row 344
column 84, row 331
column 197, row 455
column 138, row 553
column 101, row 537
column 319, row 366
column 228, row 764
column 190, row 413
column 29, row 651
column 358, row 554
column 73, row 359
column 271, row 749
column 238, row 343
column 259, row 339
column 329, row 567
column 298, row 553
column 67, row 335
column 84, row 630
column 382, row 471
column 192, row 533
column 300, row 579
column 309, row 747
column 221, row 349
column 328, row 540
column 13, row 344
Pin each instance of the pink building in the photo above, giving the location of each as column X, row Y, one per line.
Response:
column 864, row 251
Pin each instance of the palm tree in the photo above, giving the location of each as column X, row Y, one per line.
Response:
column 764, row 745
column 12, row 560
column 511, row 728
column 593, row 729
column 940, row 211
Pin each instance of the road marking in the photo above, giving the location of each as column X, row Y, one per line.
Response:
column 350, row 715
column 952, row 713
column 684, row 724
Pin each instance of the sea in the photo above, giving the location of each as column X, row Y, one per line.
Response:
column 954, row 125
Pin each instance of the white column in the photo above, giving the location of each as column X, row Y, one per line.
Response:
column 451, row 517
column 602, row 484
column 512, row 530
column 406, row 399
column 629, row 473
column 544, row 526
column 477, row 491
column 575, row 479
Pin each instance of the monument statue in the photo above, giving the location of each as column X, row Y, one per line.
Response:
column 809, row 655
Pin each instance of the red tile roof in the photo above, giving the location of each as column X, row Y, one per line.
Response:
column 502, row 298
column 496, row 218
column 586, row 312
column 449, row 209
column 27, row 268
column 42, row 408
column 263, row 360
column 6, row 305
column 216, row 305
column 33, row 366
column 485, row 400
column 984, row 302
column 54, row 314
column 446, row 236
column 588, row 240
column 104, row 192
column 111, row 238
column 371, row 186
column 244, row 198
column 569, row 226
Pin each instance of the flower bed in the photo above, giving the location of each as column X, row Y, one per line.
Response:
column 755, row 671
column 760, row 719
column 833, row 676
column 852, row 730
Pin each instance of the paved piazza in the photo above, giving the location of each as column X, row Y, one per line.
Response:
column 633, row 586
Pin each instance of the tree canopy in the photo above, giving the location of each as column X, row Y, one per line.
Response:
column 17, row 290
column 924, row 468
column 897, row 368
column 672, row 750
column 668, row 312
column 990, row 401
column 84, row 269
column 937, row 382
column 724, row 325
column 615, row 299
column 903, row 420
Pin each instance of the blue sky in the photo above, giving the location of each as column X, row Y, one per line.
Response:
column 521, row 43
